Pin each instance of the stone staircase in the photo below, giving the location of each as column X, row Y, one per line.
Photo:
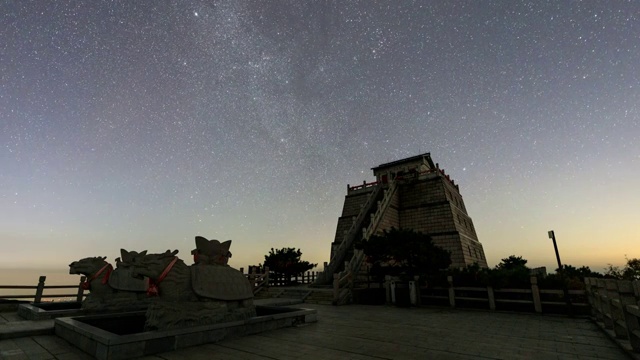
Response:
column 322, row 296
column 350, row 237
column 353, row 271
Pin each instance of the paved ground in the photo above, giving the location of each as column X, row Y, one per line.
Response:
column 378, row 332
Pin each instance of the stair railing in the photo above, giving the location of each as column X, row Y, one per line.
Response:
column 344, row 281
column 349, row 238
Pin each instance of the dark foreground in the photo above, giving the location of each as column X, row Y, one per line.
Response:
column 379, row 332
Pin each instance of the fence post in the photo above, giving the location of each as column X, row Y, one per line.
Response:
column 253, row 276
column 413, row 291
column 242, row 270
column 336, row 288
column 589, row 292
column 387, row 288
column 535, row 293
column 40, row 289
column 611, row 293
column 266, row 276
column 418, row 291
column 621, row 315
column 452, row 292
column 81, row 289
column 492, row 298
column 599, row 295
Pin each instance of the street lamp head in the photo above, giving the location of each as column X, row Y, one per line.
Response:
column 551, row 234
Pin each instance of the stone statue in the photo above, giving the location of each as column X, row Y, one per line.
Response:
column 110, row 289
column 208, row 292
column 122, row 279
column 97, row 270
column 169, row 277
column 128, row 257
column 211, row 252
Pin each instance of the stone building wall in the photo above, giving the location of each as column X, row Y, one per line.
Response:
column 426, row 200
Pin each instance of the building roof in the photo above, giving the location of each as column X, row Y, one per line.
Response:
column 407, row 160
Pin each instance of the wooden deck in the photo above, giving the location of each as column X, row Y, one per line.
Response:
column 383, row 332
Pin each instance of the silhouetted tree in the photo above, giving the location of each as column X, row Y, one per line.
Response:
column 404, row 252
column 286, row 261
column 510, row 272
column 573, row 278
column 471, row 275
column 512, row 262
column 631, row 270
column 580, row 273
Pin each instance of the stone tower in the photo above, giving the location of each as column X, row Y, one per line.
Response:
column 412, row 193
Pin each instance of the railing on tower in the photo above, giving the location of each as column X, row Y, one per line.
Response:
column 347, row 242
column 344, row 281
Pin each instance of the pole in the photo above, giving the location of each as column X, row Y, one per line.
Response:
column 552, row 236
column 565, row 291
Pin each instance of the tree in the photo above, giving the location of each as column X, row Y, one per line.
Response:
column 571, row 272
column 511, row 272
column 512, row 263
column 287, row 261
column 572, row 278
column 404, row 252
column 631, row 270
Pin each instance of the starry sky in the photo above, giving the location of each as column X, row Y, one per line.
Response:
column 141, row 124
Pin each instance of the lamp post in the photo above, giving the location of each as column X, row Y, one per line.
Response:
column 567, row 299
column 552, row 236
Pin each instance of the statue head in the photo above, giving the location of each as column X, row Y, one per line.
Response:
column 151, row 265
column 211, row 252
column 87, row 266
column 127, row 258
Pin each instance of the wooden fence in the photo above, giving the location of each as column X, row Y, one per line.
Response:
column 39, row 290
column 258, row 281
column 531, row 299
column 277, row 279
column 616, row 305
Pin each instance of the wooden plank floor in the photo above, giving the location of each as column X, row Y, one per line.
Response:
column 379, row 332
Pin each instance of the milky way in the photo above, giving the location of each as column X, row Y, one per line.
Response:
column 142, row 124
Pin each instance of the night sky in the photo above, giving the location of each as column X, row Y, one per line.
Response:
column 141, row 124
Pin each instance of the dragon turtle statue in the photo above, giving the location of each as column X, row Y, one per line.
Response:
column 207, row 292
column 111, row 289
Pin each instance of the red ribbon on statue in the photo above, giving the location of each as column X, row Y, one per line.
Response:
column 153, row 285
column 87, row 284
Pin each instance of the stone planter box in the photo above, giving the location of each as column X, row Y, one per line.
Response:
column 121, row 336
column 49, row 310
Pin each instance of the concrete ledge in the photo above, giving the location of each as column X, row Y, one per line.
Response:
column 276, row 302
column 43, row 311
column 104, row 344
column 10, row 305
column 18, row 329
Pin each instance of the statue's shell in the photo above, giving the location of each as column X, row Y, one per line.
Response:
column 220, row 282
column 121, row 279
